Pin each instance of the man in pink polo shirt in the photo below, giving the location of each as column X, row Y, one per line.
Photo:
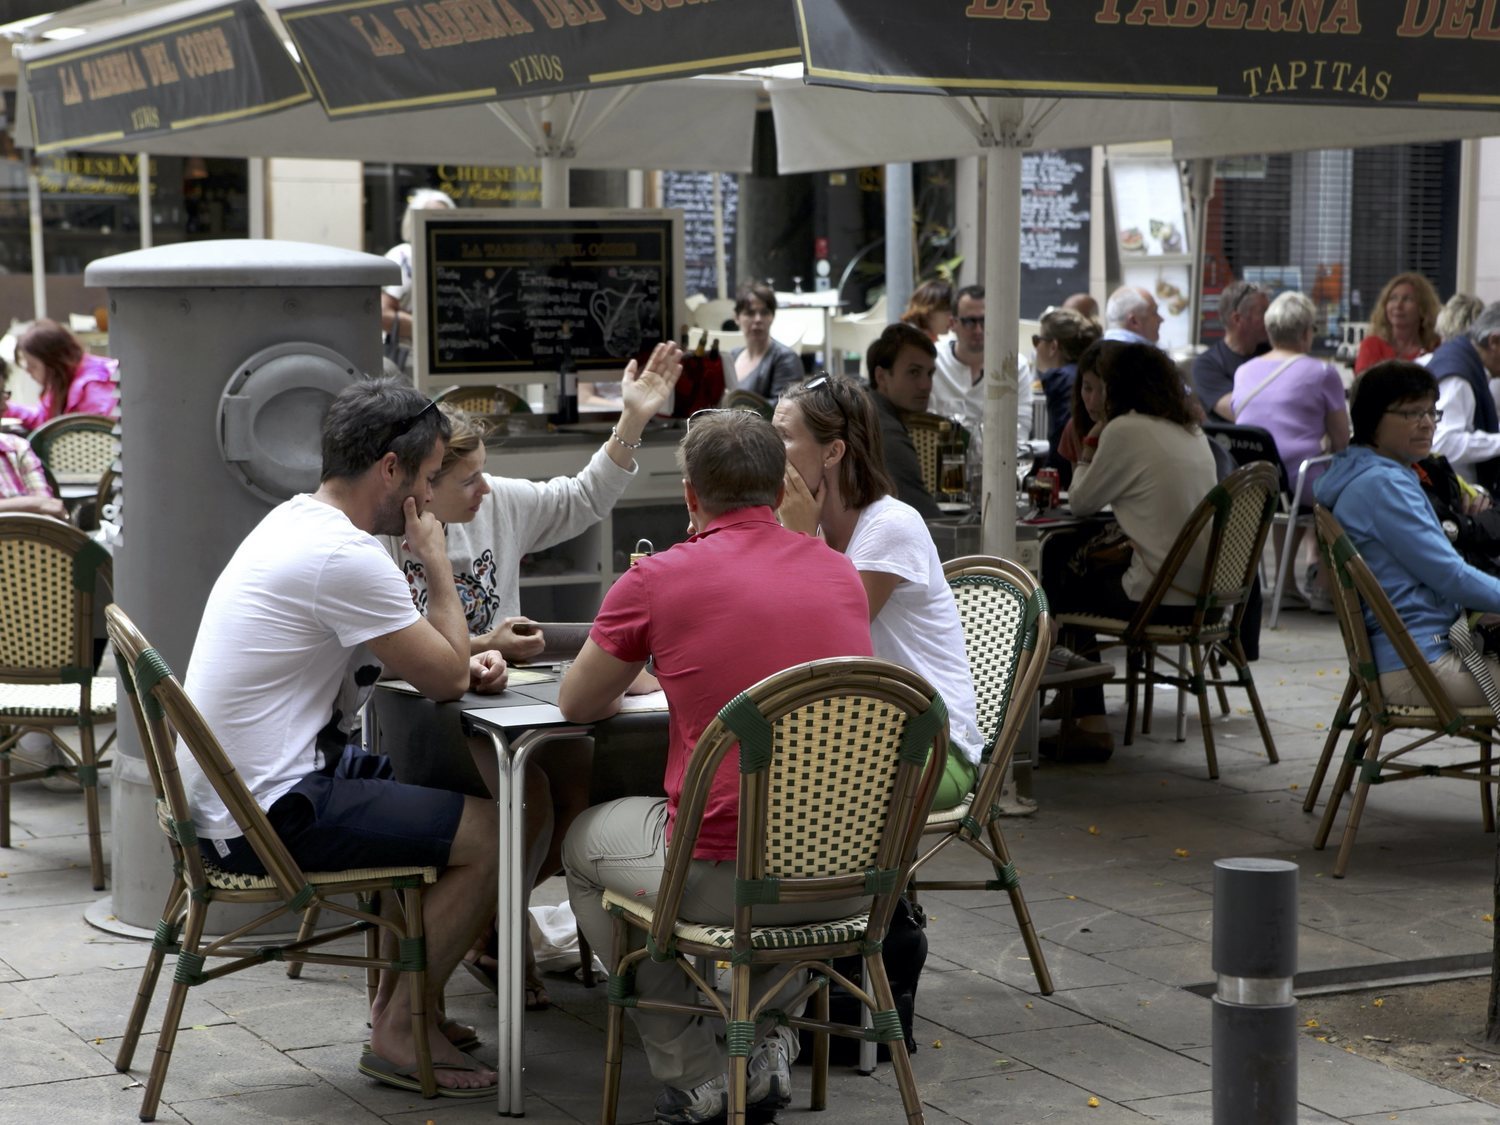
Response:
column 740, row 600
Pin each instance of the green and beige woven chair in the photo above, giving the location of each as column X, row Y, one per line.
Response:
column 1007, row 634
column 51, row 577
column 929, row 433
column 839, row 761
column 1366, row 761
column 1234, row 519
column 163, row 712
column 76, row 445
column 741, row 399
column 485, row 401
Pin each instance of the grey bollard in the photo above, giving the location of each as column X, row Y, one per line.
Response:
column 1255, row 1012
column 185, row 320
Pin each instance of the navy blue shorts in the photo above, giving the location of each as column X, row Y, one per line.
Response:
column 357, row 816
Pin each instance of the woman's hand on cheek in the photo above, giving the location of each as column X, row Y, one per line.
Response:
column 800, row 506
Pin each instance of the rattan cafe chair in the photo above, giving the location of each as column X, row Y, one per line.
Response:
column 486, row 401
column 76, row 445
column 1233, row 520
column 163, row 712
column 51, row 577
column 1366, row 760
column 929, row 433
column 741, row 399
column 1007, row 635
column 839, row 761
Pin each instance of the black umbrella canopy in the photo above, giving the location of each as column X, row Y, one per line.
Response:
column 1410, row 53
column 158, row 72
column 373, row 56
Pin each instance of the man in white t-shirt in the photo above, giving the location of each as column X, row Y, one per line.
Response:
column 958, row 383
column 301, row 620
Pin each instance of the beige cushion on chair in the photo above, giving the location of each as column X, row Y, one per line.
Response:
column 56, row 701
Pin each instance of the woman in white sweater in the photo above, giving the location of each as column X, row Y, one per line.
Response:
column 491, row 523
column 1148, row 461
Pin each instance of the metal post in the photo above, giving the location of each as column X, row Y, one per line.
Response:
column 720, row 265
column 38, row 256
column 898, row 258
column 1002, row 305
column 143, row 197
column 1255, row 1012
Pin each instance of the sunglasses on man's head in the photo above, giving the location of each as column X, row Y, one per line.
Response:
column 404, row 426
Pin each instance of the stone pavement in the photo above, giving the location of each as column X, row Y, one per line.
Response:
column 1117, row 867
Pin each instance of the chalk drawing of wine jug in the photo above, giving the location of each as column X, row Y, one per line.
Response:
column 619, row 318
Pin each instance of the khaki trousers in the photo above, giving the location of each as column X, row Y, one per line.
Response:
column 621, row 846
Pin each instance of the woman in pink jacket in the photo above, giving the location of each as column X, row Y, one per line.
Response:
column 72, row 380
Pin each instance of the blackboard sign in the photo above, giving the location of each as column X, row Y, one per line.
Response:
column 520, row 291
column 1055, row 188
column 692, row 193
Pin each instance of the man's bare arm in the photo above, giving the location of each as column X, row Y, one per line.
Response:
column 593, row 686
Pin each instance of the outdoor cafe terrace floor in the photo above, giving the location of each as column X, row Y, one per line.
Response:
column 1118, row 869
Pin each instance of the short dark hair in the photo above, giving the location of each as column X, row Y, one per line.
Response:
column 838, row 407
column 883, row 352
column 362, row 426
column 973, row 292
column 1143, row 378
column 1381, row 387
column 733, row 459
column 754, row 291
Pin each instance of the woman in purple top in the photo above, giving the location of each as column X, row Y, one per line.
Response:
column 72, row 380
column 1297, row 397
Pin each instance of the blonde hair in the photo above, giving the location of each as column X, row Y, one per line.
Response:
column 468, row 434
column 1428, row 308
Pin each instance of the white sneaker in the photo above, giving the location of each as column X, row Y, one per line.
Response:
column 768, row 1085
column 708, row 1102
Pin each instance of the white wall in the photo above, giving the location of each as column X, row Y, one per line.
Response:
column 320, row 201
column 1480, row 236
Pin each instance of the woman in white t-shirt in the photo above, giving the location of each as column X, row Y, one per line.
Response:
column 836, row 480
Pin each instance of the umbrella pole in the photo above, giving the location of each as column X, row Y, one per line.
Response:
column 1002, row 286
column 1201, row 193
column 38, row 258
column 143, row 197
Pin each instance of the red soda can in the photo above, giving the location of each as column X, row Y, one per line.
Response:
column 1053, row 482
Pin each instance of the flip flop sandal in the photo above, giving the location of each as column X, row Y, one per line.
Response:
column 389, row 1074
column 465, row 1042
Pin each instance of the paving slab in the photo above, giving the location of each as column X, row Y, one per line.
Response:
column 112, row 1099
column 96, row 1004
column 973, row 1005
column 1344, row 1085
column 39, row 1049
column 1027, row 1097
column 1196, row 1109
column 1155, row 1012
column 1100, row 1058
column 291, row 1106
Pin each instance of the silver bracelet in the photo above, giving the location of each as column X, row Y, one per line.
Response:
column 614, row 435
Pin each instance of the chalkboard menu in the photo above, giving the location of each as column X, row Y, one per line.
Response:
column 1055, row 186
column 519, row 291
column 692, row 193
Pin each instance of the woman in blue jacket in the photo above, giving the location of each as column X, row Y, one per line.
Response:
column 1374, row 490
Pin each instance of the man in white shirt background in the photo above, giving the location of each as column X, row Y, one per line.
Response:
column 1467, row 432
column 958, row 382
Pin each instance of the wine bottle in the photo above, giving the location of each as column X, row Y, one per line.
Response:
column 567, row 394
